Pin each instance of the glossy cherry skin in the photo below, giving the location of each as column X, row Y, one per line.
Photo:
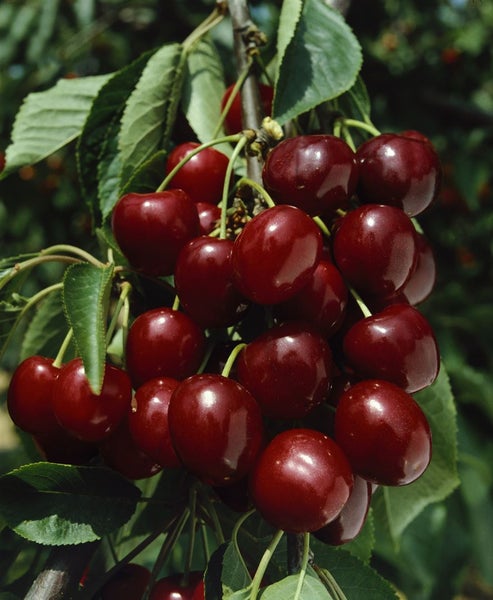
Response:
column 349, row 522
column 128, row 583
column 275, row 254
column 233, row 121
column 173, row 588
column 29, row 395
column 148, row 420
column 317, row 173
column 301, row 481
column 120, row 452
column 199, row 591
column 202, row 177
column 396, row 344
column 216, row 428
column 163, row 342
column 399, row 170
column 375, row 249
column 287, row 370
column 422, row 281
column 322, row 301
column 82, row 413
column 204, row 284
column 383, row 432
column 209, row 215
column 152, row 228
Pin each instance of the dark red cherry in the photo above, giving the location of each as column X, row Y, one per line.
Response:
column 82, row 413
column 375, row 249
column 349, row 522
column 129, row 583
column 175, row 587
column 233, row 121
column 61, row 447
column 383, row 432
column 399, row 170
column 202, row 177
column 317, row 173
column 216, row 428
column 275, row 254
column 163, row 342
column 287, row 370
column 148, row 420
column 396, row 344
column 203, row 281
column 301, row 481
column 199, row 591
column 209, row 216
column 152, row 228
column 422, row 281
column 120, row 452
column 29, row 395
column 322, row 301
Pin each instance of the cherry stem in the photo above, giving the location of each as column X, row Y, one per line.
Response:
column 304, row 565
column 216, row 16
column 63, row 349
column 234, row 535
column 231, row 359
column 322, row 226
column 33, row 262
column 205, row 541
column 72, row 250
column 227, row 181
column 264, row 562
column 210, row 509
column 368, row 127
column 258, row 188
column 361, row 303
column 330, row 583
column 125, row 290
column 234, row 92
column 228, row 138
column 192, row 532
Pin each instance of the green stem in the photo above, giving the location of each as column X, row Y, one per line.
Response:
column 258, row 188
column 216, row 16
column 227, row 181
column 33, row 262
column 68, row 248
column 304, row 565
column 322, row 226
column 361, row 303
column 330, row 583
column 63, row 349
column 234, row 92
column 231, row 359
column 124, row 292
column 368, row 127
column 234, row 535
column 205, row 541
column 264, row 561
column 192, row 531
column 228, row 138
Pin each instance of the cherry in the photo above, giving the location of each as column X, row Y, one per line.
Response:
column 202, row 177
column 396, row 344
column 322, row 301
column 317, row 173
column 29, row 395
column 148, row 421
column 129, row 583
column 199, row 591
column 233, row 121
column 383, row 432
column 82, row 413
column 216, row 428
column 289, row 244
column 375, row 249
column 287, row 369
column 152, row 228
column 175, row 587
column 61, row 447
column 209, row 215
column 349, row 522
column 301, row 481
column 205, row 264
column 399, row 170
column 163, row 342
column 120, row 452
column 422, row 281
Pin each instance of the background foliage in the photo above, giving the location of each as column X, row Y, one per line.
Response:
column 427, row 66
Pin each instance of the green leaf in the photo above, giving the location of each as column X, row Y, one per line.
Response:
column 107, row 107
column 288, row 22
column 355, row 103
column 351, row 575
column 203, row 89
column 321, row 61
column 56, row 504
column 312, row 589
column 86, row 290
column 147, row 118
column 362, row 546
column 148, row 176
column 396, row 507
column 108, row 170
column 47, row 328
column 49, row 120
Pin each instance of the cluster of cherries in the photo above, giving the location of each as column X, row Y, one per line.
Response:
column 272, row 382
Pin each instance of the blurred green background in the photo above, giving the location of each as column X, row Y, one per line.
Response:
column 428, row 65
